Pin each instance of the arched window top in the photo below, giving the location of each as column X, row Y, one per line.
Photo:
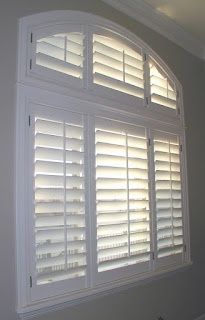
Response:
column 62, row 52
column 85, row 51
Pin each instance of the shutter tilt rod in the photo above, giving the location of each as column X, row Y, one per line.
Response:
column 31, row 282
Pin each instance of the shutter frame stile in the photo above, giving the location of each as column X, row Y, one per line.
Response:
column 152, row 197
column 91, row 222
column 86, row 164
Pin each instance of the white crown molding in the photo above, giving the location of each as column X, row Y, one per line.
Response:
column 157, row 21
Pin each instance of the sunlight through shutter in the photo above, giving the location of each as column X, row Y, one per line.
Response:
column 62, row 52
column 163, row 90
column 168, row 194
column 117, row 66
column 59, row 200
column 123, row 233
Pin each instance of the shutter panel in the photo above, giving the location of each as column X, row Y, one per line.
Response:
column 59, row 200
column 123, row 231
column 163, row 90
column 168, row 194
column 62, row 52
column 117, row 66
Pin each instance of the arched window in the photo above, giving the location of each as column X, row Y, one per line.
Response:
column 103, row 201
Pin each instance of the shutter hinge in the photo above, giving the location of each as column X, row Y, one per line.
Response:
column 177, row 94
column 149, row 142
column 31, row 282
column 147, row 100
column 185, row 248
column 29, row 121
column 178, row 111
column 145, row 57
column 153, row 255
column 30, row 64
column 180, row 147
column 31, row 39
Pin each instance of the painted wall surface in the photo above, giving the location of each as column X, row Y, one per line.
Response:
column 177, row 297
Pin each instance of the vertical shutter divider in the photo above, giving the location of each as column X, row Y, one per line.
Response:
column 88, row 61
column 152, row 197
column 91, row 230
column 64, row 186
column 65, row 49
column 147, row 92
column 123, row 64
column 127, row 177
column 171, row 193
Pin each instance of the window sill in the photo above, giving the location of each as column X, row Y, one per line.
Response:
column 62, row 302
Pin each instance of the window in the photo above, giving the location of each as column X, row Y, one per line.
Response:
column 101, row 171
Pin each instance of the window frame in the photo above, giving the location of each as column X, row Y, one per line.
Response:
column 33, row 91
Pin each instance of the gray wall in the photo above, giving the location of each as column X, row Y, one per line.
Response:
column 176, row 297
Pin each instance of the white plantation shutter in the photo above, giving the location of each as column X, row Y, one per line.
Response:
column 163, row 90
column 59, row 200
column 117, row 66
column 101, row 191
column 62, row 52
column 168, row 194
column 122, row 201
column 112, row 64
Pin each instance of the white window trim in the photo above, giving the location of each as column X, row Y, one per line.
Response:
column 28, row 89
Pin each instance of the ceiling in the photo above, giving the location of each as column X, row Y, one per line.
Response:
column 189, row 14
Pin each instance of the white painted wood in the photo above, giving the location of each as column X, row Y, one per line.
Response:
column 144, row 13
column 63, row 302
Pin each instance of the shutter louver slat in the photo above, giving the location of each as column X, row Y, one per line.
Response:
column 62, row 53
column 116, row 66
column 123, row 234
column 168, row 195
column 118, row 85
column 49, row 62
column 59, row 201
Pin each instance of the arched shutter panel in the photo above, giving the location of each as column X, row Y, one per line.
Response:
column 117, row 66
column 62, row 52
column 162, row 89
column 111, row 65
